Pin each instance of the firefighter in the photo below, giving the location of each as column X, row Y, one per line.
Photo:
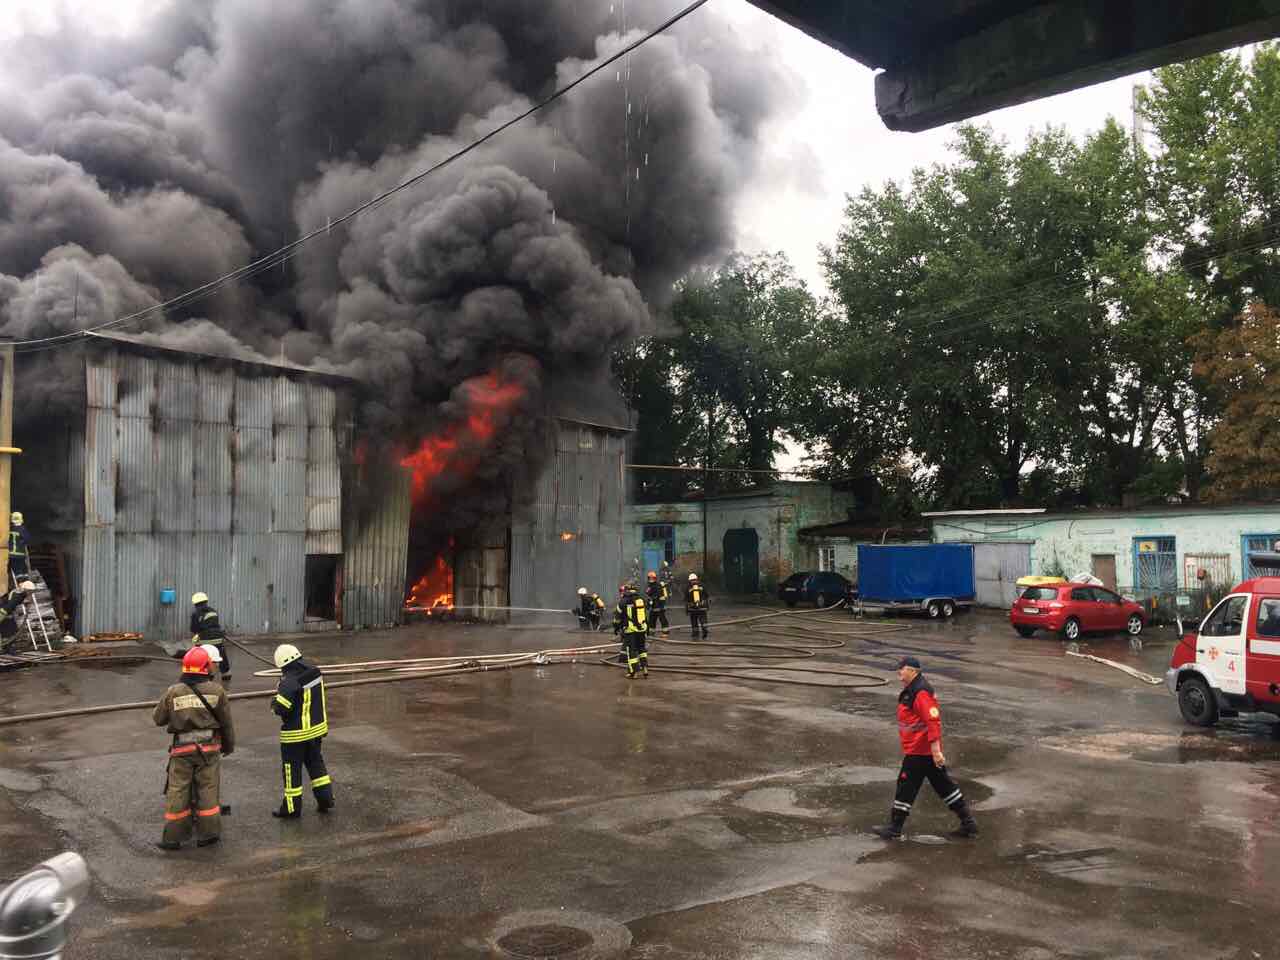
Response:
column 207, row 628
column 590, row 609
column 304, row 721
column 696, row 604
column 920, row 730
column 658, row 595
column 19, row 550
column 9, row 606
column 196, row 711
column 631, row 620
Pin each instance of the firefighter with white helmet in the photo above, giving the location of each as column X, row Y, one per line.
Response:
column 206, row 627
column 304, row 721
column 696, row 604
column 590, row 609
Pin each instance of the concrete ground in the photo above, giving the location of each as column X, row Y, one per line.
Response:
column 562, row 808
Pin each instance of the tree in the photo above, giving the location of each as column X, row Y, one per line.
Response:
column 1242, row 366
column 722, row 387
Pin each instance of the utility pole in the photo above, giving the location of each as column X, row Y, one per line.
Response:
column 7, row 452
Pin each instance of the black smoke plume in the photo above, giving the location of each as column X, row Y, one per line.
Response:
column 132, row 169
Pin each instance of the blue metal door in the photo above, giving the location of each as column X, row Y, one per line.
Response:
column 652, row 556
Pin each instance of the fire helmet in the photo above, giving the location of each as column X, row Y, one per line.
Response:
column 15, row 518
column 195, row 661
column 28, row 586
column 198, row 598
column 652, row 575
column 286, row 653
column 582, row 591
column 212, row 651
column 693, row 577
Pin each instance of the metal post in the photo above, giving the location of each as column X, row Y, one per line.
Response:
column 7, row 451
column 34, row 908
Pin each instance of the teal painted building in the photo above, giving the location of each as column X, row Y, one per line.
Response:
column 1169, row 553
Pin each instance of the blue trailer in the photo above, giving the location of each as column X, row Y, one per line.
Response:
column 933, row 578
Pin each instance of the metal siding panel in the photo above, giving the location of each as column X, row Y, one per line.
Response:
column 98, row 594
column 324, row 541
column 324, row 482
column 177, row 391
column 100, row 467
column 375, row 557
column 253, row 402
column 251, row 511
column 135, row 385
column 216, row 394
column 289, row 402
column 137, row 594
column 100, row 381
column 251, row 560
column 174, row 473
column 136, row 486
column 288, row 570
column 213, row 477
column 289, row 480
column 322, row 405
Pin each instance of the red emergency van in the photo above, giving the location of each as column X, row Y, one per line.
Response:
column 1230, row 664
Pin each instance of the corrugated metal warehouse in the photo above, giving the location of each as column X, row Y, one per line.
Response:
column 162, row 470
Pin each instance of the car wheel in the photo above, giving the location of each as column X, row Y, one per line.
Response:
column 1025, row 631
column 1071, row 630
column 1196, row 702
column 933, row 609
column 948, row 609
column 820, row 601
column 1134, row 626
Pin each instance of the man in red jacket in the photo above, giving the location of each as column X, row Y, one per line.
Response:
column 920, row 730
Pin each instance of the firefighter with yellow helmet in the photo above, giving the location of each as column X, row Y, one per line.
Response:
column 304, row 721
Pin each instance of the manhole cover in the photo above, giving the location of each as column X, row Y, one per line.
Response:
column 544, row 942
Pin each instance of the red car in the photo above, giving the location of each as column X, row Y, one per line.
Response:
column 1073, row 609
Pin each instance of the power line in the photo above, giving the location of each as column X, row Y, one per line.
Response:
column 289, row 250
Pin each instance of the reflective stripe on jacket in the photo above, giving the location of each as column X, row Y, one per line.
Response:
column 300, row 703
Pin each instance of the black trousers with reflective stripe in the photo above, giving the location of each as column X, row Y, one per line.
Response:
column 633, row 644
column 915, row 770
column 697, row 621
column 295, row 756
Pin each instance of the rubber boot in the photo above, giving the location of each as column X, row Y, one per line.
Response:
column 968, row 826
column 207, row 841
column 282, row 812
column 323, row 807
column 893, row 829
column 168, row 845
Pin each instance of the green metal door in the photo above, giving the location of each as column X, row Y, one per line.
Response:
column 741, row 561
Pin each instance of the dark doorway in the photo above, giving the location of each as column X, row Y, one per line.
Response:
column 321, row 586
column 741, row 561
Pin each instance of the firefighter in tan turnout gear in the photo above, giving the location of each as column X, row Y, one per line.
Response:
column 196, row 711
column 304, row 721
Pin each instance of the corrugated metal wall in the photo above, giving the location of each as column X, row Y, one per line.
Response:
column 203, row 477
column 376, row 534
column 568, row 532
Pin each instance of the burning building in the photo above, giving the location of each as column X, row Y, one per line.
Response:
column 158, row 472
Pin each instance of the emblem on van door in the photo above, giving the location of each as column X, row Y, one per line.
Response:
column 1213, row 653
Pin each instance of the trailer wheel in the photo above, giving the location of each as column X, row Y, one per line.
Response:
column 1196, row 702
column 948, row 609
column 933, row 609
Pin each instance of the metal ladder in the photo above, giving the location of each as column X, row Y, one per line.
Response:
column 31, row 608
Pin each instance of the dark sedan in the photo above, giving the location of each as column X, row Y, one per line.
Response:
column 822, row 588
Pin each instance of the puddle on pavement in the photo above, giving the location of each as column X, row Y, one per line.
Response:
column 1242, row 741
column 772, row 828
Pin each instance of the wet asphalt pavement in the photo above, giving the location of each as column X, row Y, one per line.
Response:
column 565, row 810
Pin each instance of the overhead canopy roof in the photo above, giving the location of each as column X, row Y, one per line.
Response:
column 946, row 60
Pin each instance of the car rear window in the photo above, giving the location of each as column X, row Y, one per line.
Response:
column 1041, row 593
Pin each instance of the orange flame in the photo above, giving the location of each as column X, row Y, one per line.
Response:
column 453, row 450
column 434, row 590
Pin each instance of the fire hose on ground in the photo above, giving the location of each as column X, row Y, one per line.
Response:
column 426, row 668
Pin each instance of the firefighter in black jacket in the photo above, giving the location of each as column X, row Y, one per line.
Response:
column 658, row 595
column 631, row 620
column 304, row 721
column 696, row 605
column 590, row 609
column 207, row 628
